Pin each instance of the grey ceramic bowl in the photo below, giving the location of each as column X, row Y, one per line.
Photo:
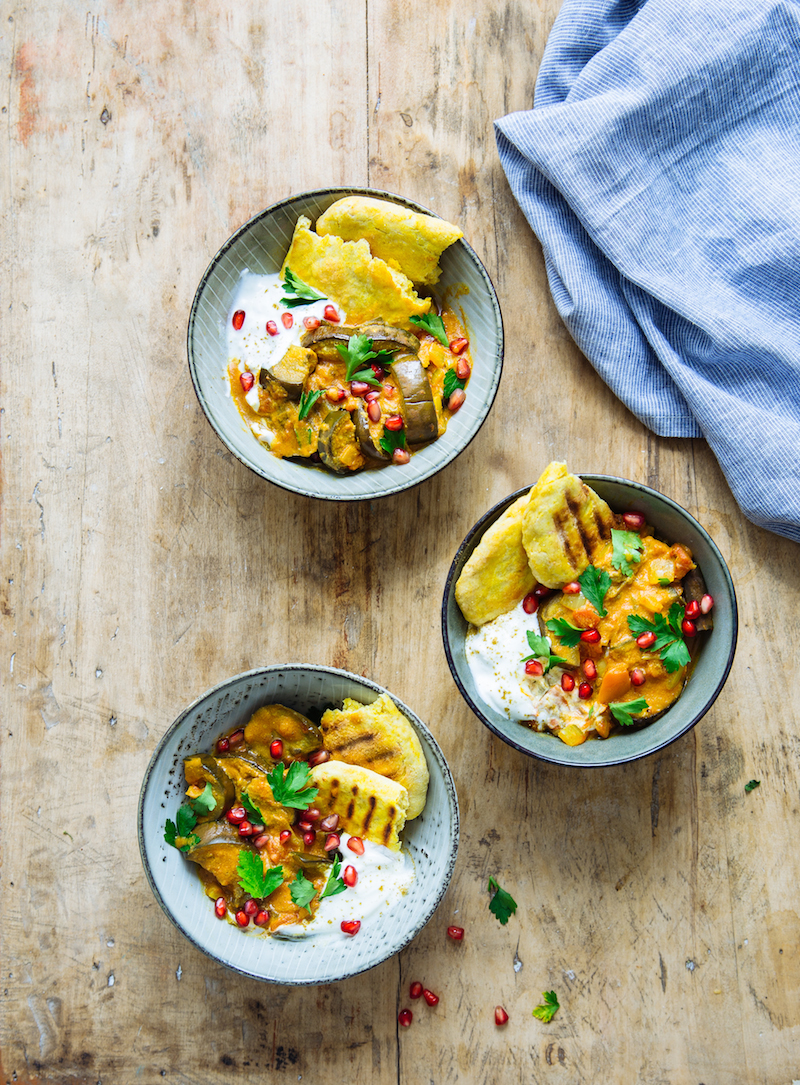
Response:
column 261, row 245
column 672, row 523
column 431, row 838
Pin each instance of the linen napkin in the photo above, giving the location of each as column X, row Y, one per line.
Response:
column 660, row 169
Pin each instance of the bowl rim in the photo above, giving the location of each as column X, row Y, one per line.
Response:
column 349, row 191
column 478, row 529
column 417, row 723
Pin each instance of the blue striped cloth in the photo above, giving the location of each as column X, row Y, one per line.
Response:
column 660, row 169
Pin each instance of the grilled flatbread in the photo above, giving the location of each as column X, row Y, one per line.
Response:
column 369, row 805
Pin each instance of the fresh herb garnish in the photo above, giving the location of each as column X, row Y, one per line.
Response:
column 254, row 879
column 669, row 640
column 302, row 890
column 594, row 585
column 627, row 546
column 392, row 439
column 334, row 884
column 307, row 401
column 541, row 650
column 186, row 820
column 664, row 581
column 303, row 294
column 502, row 904
column 433, row 324
column 253, row 813
column 624, row 711
column 294, row 789
column 451, row 382
column 358, row 353
column 751, row 786
column 567, row 633
column 547, row 1010
column 205, row 801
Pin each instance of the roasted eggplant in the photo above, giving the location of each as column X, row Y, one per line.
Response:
column 292, row 371
column 325, row 339
column 200, row 771
column 419, row 411
column 365, row 439
column 338, row 448
column 299, row 735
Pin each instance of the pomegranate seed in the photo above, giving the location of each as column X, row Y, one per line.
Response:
column 304, row 825
column 530, row 603
column 223, row 745
column 356, row 844
column 534, row 666
column 456, row 933
column 262, row 918
column 329, row 823
column 251, row 908
column 351, row 926
column 257, row 829
column 237, row 738
column 276, row 749
column 311, row 322
column 638, row 677
column 689, row 628
column 336, row 395
column 405, row 1017
column 359, row 388
column 541, row 592
column 585, row 691
column 238, row 319
column 567, row 682
column 500, row 1015
column 312, row 814
column 371, row 395
column 220, row 907
column 242, row 918
column 573, row 588
column 706, row 603
column 332, row 841
column 692, row 610
column 394, row 422
column 272, row 327
column 430, row 997
column 590, row 636
column 261, row 840
column 284, row 836
column 350, row 876
column 633, row 520
column 318, row 757
column 374, row 411
column 379, row 374
column 401, row 456
column 456, row 400
column 309, row 836
column 245, row 829
column 287, row 320
column 415, row 990
column 589, row 668
column 463, row 369
column 331, row 314
column 458, row 346
column 646, row 640
column 247, row 380
column 236, row 815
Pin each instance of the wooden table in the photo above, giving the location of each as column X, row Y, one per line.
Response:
column 142, row 563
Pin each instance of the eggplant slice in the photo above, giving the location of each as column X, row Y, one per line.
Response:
column 419, row 411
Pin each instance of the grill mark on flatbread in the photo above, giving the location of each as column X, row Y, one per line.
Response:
column 350, row 743
column 387, row 829
column 370, row 812
column 561, row 521
column 603, row 528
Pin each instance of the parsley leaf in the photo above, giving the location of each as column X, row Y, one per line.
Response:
column 433, row 324
column 368, row 377
column 254, row 879
column 627, row 547
column 669, row 640
column 751, row 786
column 302, row 890
column 186, row 819
column 624, row 711
column 334, row 884
column 502, row 904
column 253, row 813
column 594, row 585
column 675, row 655
column 451, row 382
column 392, row 439
column 664, row 581
column 307, row 401
column 359, row 352
column 541, row 650
column 547, row 1010
column 567, row 633
column 205, row 801
column 303, row 294
column 294, row 789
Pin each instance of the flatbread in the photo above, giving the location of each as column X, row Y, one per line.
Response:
column 497, row 574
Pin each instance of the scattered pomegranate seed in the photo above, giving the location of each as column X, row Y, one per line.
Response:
column 262, row 918
column 318, row 757
column 589, row 668
column 585, row 691
column 689, row 628
column 356, row 844
column 573, row 588
column 378, row 371
column 261, row 840
column 430, row 997
column 272, row 327
column 236, row 815
column 309, row 836
column 329, row 823
column 500, row 1015
column 336, row 395
column 541, row 592
column 242, row 918
column 590, row 636
column 284, row 836
column 312, row 814
column 534, row 666
column 394, row 422
column 276, row 749
column 401, row 456
column 371, row 395
column 245, row 829
column 633, row 520
column 456, row 400
column 405, row 1017
column 692, row 610
column 247, row 380
column 331, row 314
column 646, row 640
column 374, row 411
column 304, row 825
column 706, row 603
column 311, row 322
column 456, row 933
column 350, row 876
column 351, row 926
column 332, row 841
column 223, row 745
column 415, row 990
column 251, row 908
column 530, row 603
column 238, row 319
column 463, row 369
column 359, row 388
column 638, row 677
column 237, row 738
column 220, row 907
column 567, row 682
column 287, row 320
column 458, row 346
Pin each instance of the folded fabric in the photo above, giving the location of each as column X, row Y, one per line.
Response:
column 660, row 169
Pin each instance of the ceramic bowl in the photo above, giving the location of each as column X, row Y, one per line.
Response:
column 261, row 245
column 431, row 839
column 673, row 524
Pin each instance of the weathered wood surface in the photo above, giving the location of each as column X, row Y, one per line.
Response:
column 142, row 563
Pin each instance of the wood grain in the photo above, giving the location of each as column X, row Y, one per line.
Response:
column 142, row 563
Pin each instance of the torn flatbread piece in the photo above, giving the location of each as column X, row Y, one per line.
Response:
column 368, row 805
